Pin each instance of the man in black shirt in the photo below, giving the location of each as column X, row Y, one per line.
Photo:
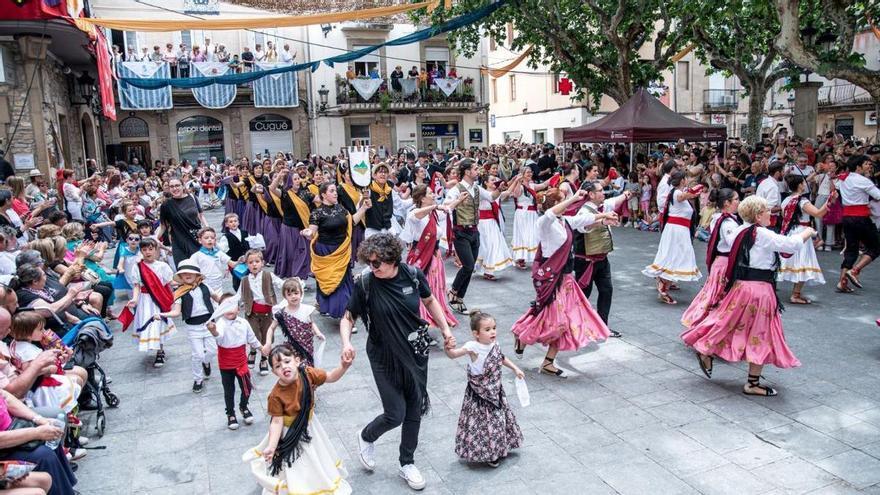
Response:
column 546, row 164
column 405, row 173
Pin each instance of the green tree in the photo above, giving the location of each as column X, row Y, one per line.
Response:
column 819, row 35
column 606, row 47
column 736, row 37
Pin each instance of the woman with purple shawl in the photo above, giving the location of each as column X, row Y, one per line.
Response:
column 561, row 317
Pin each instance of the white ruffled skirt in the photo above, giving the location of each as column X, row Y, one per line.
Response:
column 494, row 253
column 318, row 469
column 675, row 259
column 803, row 265
column 525, row 235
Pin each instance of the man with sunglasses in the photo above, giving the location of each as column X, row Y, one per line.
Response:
column 388, row 299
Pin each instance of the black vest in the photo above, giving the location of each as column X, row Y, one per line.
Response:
column 237, row 248
column 186, row 306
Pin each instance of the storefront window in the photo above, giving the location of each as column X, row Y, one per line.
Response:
column 199, row 138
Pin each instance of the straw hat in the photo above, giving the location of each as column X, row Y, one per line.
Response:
column 187, row 266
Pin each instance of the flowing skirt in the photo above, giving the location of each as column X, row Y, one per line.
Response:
column 271, row 232
column 334, row 304
column 803, row 265
column 155, row 333
column 252, row 219
column 437, row 282
column 318, row 469
column 485, row 432
column 745, row 326
column 675, row 259
column 239, row 208
column 569, row 321
column 293, row 254
column 494, row 253
column 229, row 205
column 357, row 237
column 525, row 235
column 709, row 295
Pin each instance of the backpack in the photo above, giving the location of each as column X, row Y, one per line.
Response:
column 419, row 339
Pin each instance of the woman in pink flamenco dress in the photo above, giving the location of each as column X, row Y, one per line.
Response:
column 745, row 326
column 425, row 225
column 561, row 317
column 724, row 224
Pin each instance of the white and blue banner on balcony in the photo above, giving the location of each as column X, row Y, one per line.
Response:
column 366, row 87
column 215, row 95
column 447, row 86
column 135, row 98
column 276, row 90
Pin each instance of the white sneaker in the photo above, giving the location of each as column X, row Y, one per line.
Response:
column 83, row 441
column 77, row 454
column 413, row 476
column 366, row 452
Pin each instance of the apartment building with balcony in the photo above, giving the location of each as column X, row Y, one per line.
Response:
column 364, row 103
column 188, row 129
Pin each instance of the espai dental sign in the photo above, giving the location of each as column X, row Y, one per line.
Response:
column 192, row 129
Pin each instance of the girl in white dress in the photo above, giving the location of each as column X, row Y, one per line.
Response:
column 296, row 456
column 802, row 267
column 675, row 260
column 525, row 218
column 151, row 327
column 494, row 254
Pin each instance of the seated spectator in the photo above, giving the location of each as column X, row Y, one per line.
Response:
column 235, row 64
column 20, row 429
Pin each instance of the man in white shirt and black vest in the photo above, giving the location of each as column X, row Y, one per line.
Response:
column 592, row 246
column 464, row 200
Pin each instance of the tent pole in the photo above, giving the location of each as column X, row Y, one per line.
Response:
column 631, row 145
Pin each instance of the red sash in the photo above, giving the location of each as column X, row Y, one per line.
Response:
column 788, row 213
column 437, row 183
column 587, row 277
column 684, row 222
column 856, row 211
column 235, row 358
column 160, row 293
column 261, row 309
column 421, row 255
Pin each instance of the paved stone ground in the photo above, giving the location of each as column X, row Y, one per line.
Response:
column 636, row 415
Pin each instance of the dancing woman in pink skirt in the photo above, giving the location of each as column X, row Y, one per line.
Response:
column 561, row 317
column 426, row 223
column 724, row 224
column 745, row 326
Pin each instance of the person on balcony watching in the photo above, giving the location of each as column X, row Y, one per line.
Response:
column 156, row 56
column 247, row 59
column 170, row 56
column 396, row 76
column 182, row 61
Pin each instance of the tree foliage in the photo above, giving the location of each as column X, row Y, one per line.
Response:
column 737, row 37
column 606, row 47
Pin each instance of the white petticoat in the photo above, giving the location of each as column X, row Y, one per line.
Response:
column 525, row 235
column 803, row 265
column 494, row 253
column 318, row 469
column 62, row 396
column 675, row 259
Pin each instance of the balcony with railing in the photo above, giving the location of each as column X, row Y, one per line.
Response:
column 720, row 100
column 844, row 95
column 405, row 95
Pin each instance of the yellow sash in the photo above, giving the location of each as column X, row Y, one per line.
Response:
column 314, row 190
column 352, row 192
column 302, row 209
column 383, row 192
column 277, row 201
column 261, row 200
column 329, row 270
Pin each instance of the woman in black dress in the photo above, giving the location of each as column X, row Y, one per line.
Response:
column 182, row 217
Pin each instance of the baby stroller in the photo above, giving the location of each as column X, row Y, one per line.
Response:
column 89, row 338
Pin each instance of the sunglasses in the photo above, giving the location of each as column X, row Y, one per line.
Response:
column 133, row 238
column 375, row 264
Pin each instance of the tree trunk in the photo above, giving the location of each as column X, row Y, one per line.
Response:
column 757, row 97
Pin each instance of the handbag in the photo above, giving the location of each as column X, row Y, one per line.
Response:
column 834, row 216
column 20, row 424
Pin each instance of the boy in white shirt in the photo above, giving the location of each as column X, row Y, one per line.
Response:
column 213, row 263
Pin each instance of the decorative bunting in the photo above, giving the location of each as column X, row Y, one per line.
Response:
column 447, row 86
column 366, row 87
column 132, row 97
column 275, row 90
column 215, row 95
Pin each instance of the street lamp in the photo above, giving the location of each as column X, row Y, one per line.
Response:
column 86, row 86
column 322, row 97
